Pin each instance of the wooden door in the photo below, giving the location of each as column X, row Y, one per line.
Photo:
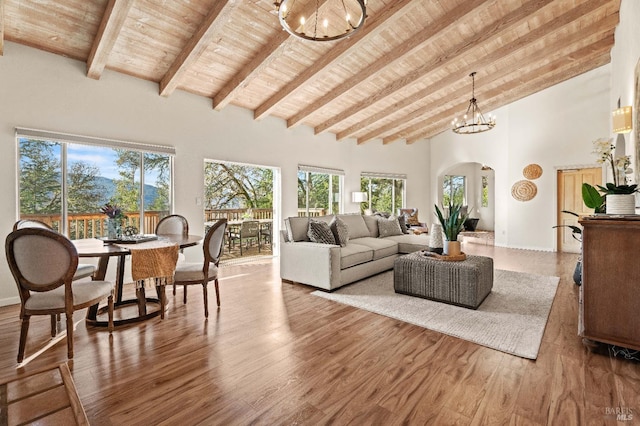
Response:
column 570, row 199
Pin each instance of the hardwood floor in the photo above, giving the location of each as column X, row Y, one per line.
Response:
column 274, row 354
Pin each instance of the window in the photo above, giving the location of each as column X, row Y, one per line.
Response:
column 319, row 191
column 238, row 191
column 386, row 192
column 485, row 191
column 64, row 180
column 454, row 190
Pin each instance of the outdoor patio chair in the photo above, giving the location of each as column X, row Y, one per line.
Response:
column 43, row 263
column 249, row 230
column 188, row 273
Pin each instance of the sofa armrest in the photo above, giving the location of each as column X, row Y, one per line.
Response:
column 310, row 263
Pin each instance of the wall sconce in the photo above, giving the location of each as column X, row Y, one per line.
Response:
column 359, row 197
column 622, row 120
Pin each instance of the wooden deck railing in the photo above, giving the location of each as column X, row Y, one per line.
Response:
column 237, row 214
column 92, row 225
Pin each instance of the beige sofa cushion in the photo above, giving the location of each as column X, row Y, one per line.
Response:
column 354, row 254
column 357, row 226
column 297, row 228
column 408, row 243
column 372, row 224
column 381, row 247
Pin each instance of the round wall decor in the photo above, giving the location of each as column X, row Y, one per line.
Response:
column 532, row 171
column 524, row 190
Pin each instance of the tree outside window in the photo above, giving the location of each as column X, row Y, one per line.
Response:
column 385, row 194
column 454, row 190
column 318, row 193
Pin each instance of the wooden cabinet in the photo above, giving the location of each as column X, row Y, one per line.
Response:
column 610, row 291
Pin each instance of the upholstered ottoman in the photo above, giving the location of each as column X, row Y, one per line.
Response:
column 464, row 283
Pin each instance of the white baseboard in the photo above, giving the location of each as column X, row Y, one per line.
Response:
column 10, row 301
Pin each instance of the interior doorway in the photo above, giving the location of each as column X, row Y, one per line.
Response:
column 570, row 199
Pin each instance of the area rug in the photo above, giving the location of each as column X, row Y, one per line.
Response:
column 511, row 319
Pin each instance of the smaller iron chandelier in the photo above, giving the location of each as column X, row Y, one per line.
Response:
column 318, row 20
column 473, row 120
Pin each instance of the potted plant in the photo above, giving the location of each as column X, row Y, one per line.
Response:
column 452, row 225
column 593, row 200
column 619, row 195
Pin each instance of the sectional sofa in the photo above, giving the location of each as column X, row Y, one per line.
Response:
column 367, row 252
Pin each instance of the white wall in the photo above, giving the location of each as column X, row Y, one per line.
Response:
column 44, row 91
column 625, row 57
column 552, row 128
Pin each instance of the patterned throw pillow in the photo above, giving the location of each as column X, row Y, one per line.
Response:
column 389, row 227
column 319, row 232
column 340, row 231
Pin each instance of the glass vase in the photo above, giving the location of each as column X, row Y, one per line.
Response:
column 114, row 228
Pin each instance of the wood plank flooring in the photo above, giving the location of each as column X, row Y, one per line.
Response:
column 273, row 354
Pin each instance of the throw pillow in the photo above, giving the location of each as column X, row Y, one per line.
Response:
column 319, row 232
column 403, row 224
column 389, row 227
column 340, row 231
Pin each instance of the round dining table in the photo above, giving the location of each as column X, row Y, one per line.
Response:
column 104, row 251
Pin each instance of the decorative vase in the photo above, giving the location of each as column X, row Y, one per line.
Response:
column 435, row 238
column 621, row 203
column 452, row 248
column 114, row 228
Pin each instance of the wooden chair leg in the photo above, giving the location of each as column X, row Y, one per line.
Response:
column 110, row 311
column 53, row 325
column 206, row 301
column 217, row 292
column 184, row 294
column 161, row 298
column 174, row 289
column 23, row 337
column 70, row 335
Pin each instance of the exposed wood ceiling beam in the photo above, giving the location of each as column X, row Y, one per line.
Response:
column 340, row 50
column 1, row 27
column 560, row 70
column 267, row 54
column 203, row 37
column 517, row 17
column 601, row 27
column 112, row 21
column 407, row 48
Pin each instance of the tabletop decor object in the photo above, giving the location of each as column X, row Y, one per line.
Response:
column 114, row 220
column 620, row 196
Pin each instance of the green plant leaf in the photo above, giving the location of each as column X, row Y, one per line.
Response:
column 591, row 197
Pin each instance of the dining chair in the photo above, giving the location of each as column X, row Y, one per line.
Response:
column 84, row 269
column 248, row 230
column 174, row 224
column 43, row 263
column 188, row 273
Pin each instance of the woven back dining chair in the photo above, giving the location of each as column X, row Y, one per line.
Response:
column 43, row 263
column 189, row 273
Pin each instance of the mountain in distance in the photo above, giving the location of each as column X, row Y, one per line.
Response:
column 150, row 191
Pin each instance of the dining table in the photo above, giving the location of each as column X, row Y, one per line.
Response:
column 104, row 250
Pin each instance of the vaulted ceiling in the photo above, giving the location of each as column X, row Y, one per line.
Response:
column 402, row 77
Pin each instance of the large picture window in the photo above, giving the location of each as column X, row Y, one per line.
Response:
column 64, row 181
column 386, row 192
column 319, row 191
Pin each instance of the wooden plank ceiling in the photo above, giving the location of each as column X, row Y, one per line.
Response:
column 403, row 77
